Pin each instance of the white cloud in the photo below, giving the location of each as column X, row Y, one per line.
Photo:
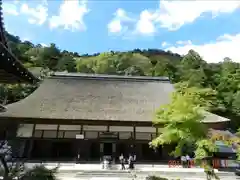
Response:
column 145, row 24
column 71, row 14
column 117, row 24
column 164, row 44
column 25, row 39
column 172, row 15
column 44, row 45
column 36, row 15
column 188, row 42
column 225, row 46
column 10, row 9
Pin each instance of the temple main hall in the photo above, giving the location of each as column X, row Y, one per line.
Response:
column 91, row 115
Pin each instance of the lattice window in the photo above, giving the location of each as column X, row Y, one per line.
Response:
column 49, row 134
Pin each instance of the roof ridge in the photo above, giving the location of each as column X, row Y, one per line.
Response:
column 107, row 77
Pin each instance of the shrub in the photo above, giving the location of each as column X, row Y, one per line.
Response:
column 155, row 178
column 39, row 173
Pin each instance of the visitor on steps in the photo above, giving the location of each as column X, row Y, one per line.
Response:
column 130, row 162
column 122, row 161
column 183, row 161
column 188, row 159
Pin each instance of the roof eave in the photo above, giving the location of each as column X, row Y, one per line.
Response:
column 14, row 67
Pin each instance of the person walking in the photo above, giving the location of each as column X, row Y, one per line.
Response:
column 121, row 159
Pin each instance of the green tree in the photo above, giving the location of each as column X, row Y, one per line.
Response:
column 122, row 62
column 48, row 57
column 85, row 65
column 236, row 103
column 134, row 71
column 67, row 63
column 191, row 69
column 104, row 64
column 182, row 120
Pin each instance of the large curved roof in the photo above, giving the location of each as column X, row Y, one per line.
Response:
column 96, row 97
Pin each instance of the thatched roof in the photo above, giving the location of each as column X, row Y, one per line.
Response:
column 94, row 97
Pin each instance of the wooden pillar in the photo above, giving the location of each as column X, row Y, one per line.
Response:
column 134, row 140
column 79, row 146
column 58, row 130
column 58, row 156
column 22, row 148
column 138, row 151
column 31, row 143
column 81, row 130
column 134, row 132
column 87, row 146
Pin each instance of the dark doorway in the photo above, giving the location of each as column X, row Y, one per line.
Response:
column 107, row 149
column 41, row 150
column 94, row 152
column 63, row 150
column 148, row 153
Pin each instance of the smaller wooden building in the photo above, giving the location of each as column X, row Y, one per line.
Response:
column 91, row 115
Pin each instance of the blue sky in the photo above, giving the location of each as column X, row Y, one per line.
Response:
column 212, row 28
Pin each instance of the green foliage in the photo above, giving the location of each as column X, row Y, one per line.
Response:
column 39, row 173
column 66, row 63
column 204, row 148
column 13, row 93
column 85, row 65
column 204, row 97
column 104, row 63
column 34, row 173
column 155, row 178
column 182, row 119
column 236, row 103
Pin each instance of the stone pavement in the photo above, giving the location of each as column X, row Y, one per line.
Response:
column 71, row 171
column 116, row 167
column 139, row 176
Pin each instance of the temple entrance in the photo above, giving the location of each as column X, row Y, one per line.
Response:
column 107, row 149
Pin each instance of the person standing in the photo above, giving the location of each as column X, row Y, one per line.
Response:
column 121, row 159
column 183, row 160
column 130, row 162
column 78, row 157
column 188, row 160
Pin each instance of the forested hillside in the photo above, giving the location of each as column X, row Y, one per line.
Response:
column 223, row 77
